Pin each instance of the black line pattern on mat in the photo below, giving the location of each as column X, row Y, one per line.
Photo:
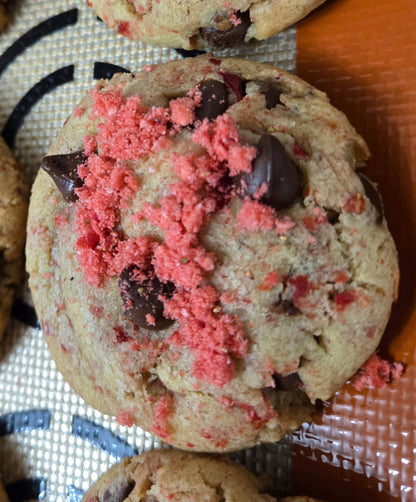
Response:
column 26, row 489
column 189, row 54
column 107, row 70
column 100, row 436
column 26, row 420
column 74, row 494
column 25, row 314
column 47, row 84
column 43, row 29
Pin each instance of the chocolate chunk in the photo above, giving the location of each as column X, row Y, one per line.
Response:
column 118, row 493
column 214, row 99
column 272, row 167
column 142, row 299
column 271, row 93
column 63, row 169
column 289, row 309
column 374, row 197
column 332, row 216
column 287, row 382
column 230, row 37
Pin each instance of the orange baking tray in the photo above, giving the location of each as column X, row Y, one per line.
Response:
column 362, row 53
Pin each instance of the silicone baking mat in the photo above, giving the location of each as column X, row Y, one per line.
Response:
column 53, row 446
column 362, row 53
column 362, row 448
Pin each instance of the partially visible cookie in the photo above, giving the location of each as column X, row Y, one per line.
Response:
column 13, row 211
column 3, row 494
column 168, row 475
column 192, row 24
column 4, row 16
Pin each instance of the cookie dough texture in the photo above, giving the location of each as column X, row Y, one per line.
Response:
column 160, row 476
column 273, row 308
column 14, row 197
column 181, row 24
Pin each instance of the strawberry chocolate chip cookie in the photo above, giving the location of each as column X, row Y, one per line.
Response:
column 204, row 259
column 192, row 24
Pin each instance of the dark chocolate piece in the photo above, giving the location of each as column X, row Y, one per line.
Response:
column 230, row 37
column 214, row 99
column 287, row 382
column 271, row 93
column 374, row 197
column 332, row 216
column 141, row 299
column 119, row 493
column 272, row 167
column 63, row 169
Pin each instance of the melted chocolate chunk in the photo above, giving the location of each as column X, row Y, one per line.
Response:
column 119, row 493
column 214, row 99
column 271, row 93
column 141, row 299
column 63, row 169
column 373, row 196
column 287, row 382
column 230, row 37
column 332, row 216
column 272, row 167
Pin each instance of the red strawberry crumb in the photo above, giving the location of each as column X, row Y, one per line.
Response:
column 269, row 282
column 377, row 373
column 355, row 204
column 342, row 300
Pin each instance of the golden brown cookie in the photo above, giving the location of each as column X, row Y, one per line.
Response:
column 13, row 211
column 204, row 260
column 173, row 476
column 192, row 24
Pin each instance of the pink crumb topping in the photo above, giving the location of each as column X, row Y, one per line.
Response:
column 125, row 418
column 376, row 373
column 222, row 141
column 255, row 216
column 182, row 110
column 79, row 112
column 235, row 20
column 163, row 412
column 213, row 338
column 342, row 300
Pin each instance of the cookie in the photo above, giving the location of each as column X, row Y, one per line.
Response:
column 3, row 494
column 204, row 260
column 14, row 197
column 4, row 16
column 192, row 24
column 167, row 475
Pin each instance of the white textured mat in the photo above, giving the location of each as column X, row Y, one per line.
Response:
column 53, row 446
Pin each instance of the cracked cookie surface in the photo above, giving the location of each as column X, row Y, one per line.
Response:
column 160, row 476
column 192, row 24
column 14, row 195
column 204, row 260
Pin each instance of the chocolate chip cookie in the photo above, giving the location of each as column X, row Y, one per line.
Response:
column 167, row 475
column 3, row 494
column 14, row 197
column 204, row 258
column 192, row 24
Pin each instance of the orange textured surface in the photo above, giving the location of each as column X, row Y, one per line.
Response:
column 362, row 53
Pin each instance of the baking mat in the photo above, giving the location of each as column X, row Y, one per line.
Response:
column 362, row 53
column 53, row 446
